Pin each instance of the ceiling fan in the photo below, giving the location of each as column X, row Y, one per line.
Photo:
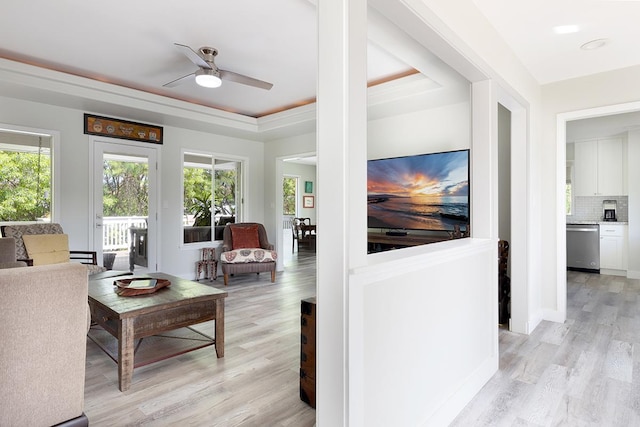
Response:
column 209, row 75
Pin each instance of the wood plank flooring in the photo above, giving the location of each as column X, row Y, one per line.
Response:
column 255, row 384
column 585, row 372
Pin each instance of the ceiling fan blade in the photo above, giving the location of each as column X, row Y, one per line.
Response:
column 193, row 56
column 245, row 80
column 178, row 81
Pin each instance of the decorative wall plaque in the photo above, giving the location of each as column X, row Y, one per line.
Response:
column 123, row 129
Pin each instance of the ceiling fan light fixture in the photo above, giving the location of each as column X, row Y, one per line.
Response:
column 208, row 78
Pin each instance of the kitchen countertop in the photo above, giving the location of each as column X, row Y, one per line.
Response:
column 598, row 222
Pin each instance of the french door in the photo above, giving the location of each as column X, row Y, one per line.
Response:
column 124, row 218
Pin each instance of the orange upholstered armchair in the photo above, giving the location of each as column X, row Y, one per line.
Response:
column 246, row 249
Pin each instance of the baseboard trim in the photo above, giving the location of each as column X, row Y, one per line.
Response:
column 611, row 272
column 553, row 316
column 452, row 406
column 632, row 274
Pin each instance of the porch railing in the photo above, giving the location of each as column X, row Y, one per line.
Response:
column 287, row 222
column 115, row 231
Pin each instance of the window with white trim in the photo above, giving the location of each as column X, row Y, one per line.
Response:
column 26, row 183
column 211, row 195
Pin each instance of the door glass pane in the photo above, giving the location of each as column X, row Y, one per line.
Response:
column 197, row 186
column 226, row 191
column 125, row 200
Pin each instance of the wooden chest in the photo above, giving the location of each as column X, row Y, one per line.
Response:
column 308, row 351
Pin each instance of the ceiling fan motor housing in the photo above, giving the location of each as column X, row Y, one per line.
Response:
column 208, row 53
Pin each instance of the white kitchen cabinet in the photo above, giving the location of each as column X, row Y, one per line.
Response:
column 600, row 168
column 613, row 246
column 610, row 167
column 585, row 168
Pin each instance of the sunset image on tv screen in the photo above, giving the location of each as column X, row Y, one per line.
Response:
column 422, row 192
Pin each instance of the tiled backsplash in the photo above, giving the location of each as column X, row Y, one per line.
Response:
column 589, row 208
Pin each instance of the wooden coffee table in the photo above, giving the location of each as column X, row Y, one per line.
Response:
column 128, row 319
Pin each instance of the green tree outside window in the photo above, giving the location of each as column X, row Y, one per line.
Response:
column 289, row 185
column 25, row 186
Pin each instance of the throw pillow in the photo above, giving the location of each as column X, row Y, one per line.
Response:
column 47, row 248
column 241, row 256
column 245, row 237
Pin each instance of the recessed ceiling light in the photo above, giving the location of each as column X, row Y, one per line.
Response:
column 566, row 29
column 594, row 44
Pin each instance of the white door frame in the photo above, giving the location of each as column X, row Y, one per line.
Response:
column 521, row 320
column 561, row 172
column 97, row 147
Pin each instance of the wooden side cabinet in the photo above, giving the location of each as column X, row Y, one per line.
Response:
column 308, row 351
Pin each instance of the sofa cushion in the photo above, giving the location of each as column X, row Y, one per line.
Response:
column 238, row 256
column 245, row 237
column 47, row 248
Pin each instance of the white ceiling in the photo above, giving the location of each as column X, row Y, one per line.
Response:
column 131, row 43
column 602, row 127
column 527, row 27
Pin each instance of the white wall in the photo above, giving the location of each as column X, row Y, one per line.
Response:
column 274, row 153
column 437, row 129
column 595, row 91
column 74, row 185
column 428, row 334
column 385, row 295
column 74, row 161
column 181, row 260
column 468, row 31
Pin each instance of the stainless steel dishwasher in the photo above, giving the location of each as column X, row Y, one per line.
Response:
column 583, row 247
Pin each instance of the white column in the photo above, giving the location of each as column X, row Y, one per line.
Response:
column 341, row 148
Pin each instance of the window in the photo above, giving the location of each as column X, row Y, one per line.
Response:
column 289, row 195
column 25, row 176
column 211, row 194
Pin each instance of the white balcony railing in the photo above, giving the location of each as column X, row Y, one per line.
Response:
column 115, row 231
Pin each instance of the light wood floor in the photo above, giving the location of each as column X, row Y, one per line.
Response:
column 584, row 372
column 255, row 384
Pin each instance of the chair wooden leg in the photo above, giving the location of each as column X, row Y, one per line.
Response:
column 199, row 271
column 226, row 278
column 273, row 276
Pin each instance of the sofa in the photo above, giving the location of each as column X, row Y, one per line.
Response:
column 8, row 254
column 43, row 313
column 49, row 245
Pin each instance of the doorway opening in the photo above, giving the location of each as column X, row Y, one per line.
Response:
column 615, row 113
column 504, row 215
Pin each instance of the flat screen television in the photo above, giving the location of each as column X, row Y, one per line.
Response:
column 427, row 192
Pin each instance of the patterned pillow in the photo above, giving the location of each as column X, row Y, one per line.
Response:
column 237, row 256
column 17, row 231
